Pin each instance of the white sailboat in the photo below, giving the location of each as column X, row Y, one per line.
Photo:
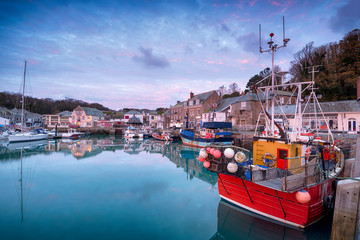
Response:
column 25, row 136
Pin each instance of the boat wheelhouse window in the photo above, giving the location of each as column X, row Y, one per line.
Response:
column 283, row 154
column 312, row 124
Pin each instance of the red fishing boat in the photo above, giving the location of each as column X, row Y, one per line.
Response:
column 290, row 177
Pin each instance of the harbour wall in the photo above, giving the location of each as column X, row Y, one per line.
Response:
column 346, row 220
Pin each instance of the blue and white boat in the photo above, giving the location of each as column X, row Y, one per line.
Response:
column 210, row 132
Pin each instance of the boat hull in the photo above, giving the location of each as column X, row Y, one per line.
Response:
column 25, row 137
column 274, row 204
column 197, row 142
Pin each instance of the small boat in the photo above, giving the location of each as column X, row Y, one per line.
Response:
column 162, row 137
column 54, row 134
column 72, row 133
column 132, row 132
column 291, row 177
column 211, row 132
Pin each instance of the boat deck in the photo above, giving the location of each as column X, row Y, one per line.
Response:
column 275, row 183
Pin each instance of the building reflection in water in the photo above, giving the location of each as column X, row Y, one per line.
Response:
column 182, row 156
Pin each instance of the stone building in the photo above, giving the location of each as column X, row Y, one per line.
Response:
column 177, row 114
column 196, row 106
column 244, row 113
column 220, row 112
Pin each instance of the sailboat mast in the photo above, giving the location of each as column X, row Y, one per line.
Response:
column 22, row 101
column 21, row 189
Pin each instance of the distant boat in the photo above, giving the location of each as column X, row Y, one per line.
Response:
column 211, row 132
column 25, row 136
column 72, row 133
column 132, row 132
column 162, row 137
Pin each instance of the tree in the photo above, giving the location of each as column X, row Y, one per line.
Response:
column 221, row 91
column 233, row 88
column 339, row 67
column 234, row 94
column 258, row 77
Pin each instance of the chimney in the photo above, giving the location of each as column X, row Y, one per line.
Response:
column 178, row 102
column 191, row 95
column 358, row 87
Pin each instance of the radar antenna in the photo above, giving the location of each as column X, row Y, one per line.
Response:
column 272, row 49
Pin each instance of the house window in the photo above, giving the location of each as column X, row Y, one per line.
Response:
column 243, row 105
column 352, row 124
column 197, row 101
column 198, row 112
column 185, row 104
column 191, row 103
column 282, row 100
column 83, row 118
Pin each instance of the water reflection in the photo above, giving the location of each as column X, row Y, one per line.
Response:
column 237, row 223
column 182, row 156
column 157, row 191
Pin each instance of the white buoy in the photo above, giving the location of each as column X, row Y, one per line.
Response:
column 203, row 154
column 232, row 167
column 229, row 153
column 240, row 157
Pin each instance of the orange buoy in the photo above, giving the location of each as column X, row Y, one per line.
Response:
column 303, row 196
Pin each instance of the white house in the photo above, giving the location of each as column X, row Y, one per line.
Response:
column 341, row 116
column 4, row 122
column 132, row 113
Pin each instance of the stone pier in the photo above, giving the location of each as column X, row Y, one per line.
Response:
column 346, row 221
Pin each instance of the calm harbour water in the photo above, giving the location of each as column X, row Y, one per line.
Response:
column 109, row 188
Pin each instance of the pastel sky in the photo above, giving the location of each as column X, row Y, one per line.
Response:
column 151, row 53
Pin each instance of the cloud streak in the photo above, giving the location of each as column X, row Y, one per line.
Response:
column 148, row 59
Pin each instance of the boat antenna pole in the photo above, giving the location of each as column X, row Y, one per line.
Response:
column 22, row 101
column 272, row 49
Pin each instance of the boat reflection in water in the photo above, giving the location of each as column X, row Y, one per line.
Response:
column 238, row 223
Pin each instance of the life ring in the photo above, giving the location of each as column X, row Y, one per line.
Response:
column 269, row 160
column 308, row 153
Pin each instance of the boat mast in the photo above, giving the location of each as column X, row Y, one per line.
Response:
column 272, row 49
column 22, row 101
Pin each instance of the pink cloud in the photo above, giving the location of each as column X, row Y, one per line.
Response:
column 214, row 62
column 275, row 3
column 252, row 3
